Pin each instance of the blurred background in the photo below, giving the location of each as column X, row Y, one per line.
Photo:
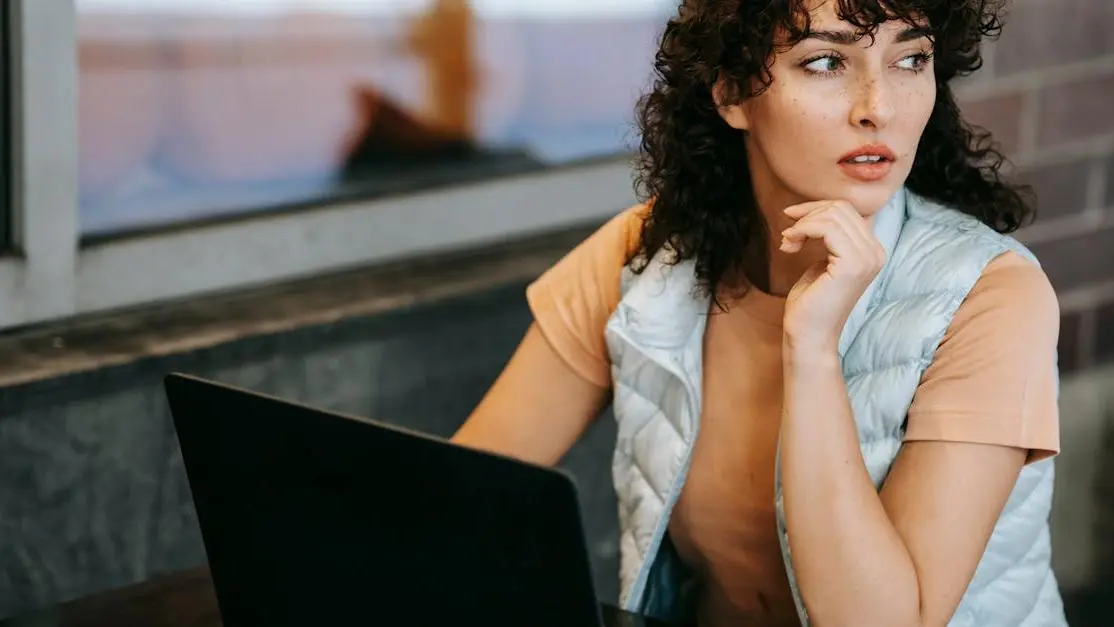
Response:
column 341, row 201
column 234, row 107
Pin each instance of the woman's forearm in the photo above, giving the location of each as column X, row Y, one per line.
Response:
column 851, row 564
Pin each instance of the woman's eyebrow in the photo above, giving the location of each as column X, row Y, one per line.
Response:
column 849, row 36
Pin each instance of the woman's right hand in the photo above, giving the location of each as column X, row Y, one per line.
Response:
column 537, row 408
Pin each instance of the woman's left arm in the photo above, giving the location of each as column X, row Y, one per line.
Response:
column 902, row 557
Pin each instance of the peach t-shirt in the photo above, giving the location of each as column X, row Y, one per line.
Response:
column 1002, row 339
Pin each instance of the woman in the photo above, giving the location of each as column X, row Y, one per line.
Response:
column 834, row 376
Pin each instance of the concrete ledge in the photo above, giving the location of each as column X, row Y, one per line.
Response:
column 87, row 343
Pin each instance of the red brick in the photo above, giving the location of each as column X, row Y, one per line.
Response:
column 1077, row 110
column 1109, row 200
column 1061, row 189
column 1070, row 345
column 1104, row 332
column 1001, row 115
column 1078, row 260
column 1046, row 33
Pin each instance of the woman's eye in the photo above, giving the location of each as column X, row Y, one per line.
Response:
column 824, row 65
column 914, row 62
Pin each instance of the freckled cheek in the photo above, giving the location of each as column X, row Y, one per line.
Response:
column 813, row 121
column 915, row 106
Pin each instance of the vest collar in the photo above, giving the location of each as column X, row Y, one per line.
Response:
column 661, row 308
column 888, row 223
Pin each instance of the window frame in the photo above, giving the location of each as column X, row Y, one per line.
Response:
column 5, row 133
column 36, row 281
column 52, row 276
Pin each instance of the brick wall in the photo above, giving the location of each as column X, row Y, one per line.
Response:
column 1047, row 92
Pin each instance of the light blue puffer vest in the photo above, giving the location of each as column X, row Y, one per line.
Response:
column 655, row 339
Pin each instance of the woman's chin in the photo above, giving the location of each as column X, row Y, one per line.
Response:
column 868, row 201
column 867, row 198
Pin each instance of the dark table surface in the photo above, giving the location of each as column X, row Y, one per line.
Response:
column 183, row 600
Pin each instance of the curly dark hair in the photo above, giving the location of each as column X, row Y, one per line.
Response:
column 688, row 170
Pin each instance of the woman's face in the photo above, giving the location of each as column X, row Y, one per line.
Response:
column 842, row 118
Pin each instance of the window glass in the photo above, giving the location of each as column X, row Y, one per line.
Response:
column 196, row 109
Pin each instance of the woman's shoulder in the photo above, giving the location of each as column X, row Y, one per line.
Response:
column 1011, row 314
column 572, row 301
column 989, row 266
column 605, row 252
column 1005, row 291
column 1015, row 286
column 927, row 214
column 957, row 245
column 627, row 229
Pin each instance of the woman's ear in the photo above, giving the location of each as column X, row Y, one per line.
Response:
column 734, row 114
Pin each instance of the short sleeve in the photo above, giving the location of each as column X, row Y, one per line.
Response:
column 572, row 301
column 994, row 378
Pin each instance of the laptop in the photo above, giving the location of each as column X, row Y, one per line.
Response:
column 309, row 517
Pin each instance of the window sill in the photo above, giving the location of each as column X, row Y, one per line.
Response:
column 91, row 342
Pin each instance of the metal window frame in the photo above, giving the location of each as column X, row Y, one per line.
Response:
column 5, row 132
column 37, row 283
column 52, row 277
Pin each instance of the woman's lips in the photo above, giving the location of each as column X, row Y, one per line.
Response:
column 869, row 162
column 866, row 171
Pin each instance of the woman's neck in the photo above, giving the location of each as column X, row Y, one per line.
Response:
column 779, row 271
